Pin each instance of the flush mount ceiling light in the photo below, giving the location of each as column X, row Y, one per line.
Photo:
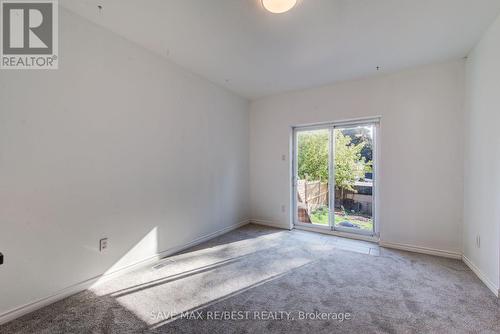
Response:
column 278, row 6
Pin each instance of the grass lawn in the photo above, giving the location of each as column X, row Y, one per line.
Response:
column 320, row 217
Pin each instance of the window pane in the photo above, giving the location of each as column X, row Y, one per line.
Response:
column 354, row 178
column 312, row 177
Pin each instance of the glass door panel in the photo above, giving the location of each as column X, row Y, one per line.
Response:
column 354, row 182
column 312, row 174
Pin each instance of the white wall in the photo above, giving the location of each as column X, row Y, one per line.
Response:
column 117, row 143
column 421, row 158
column 482, row 156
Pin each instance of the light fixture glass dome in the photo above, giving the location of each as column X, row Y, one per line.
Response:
column 278, row 6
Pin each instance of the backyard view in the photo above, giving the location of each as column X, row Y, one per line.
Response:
column 353, row 189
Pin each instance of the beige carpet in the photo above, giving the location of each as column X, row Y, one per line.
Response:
column 270, row 280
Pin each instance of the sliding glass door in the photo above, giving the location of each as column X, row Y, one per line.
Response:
column 334, row 176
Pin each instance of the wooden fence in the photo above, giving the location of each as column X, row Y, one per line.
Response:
column 313, row 194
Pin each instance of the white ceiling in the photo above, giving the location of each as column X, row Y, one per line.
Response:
column 253, row 53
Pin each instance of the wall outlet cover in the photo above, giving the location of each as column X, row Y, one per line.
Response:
column 103, row 244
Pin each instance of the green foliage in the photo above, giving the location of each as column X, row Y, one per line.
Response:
column 350, row 165
column 361, row 134
column 313, row 155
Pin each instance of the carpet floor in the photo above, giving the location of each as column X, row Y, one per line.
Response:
column 263, row 280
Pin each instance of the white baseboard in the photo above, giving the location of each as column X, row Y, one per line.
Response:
column 269, row 223
column 422, row 250
column 492, row 286
column 84, row 285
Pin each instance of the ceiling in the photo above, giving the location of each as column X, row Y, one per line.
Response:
column 238, row 45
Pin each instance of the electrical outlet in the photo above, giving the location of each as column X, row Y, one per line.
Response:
column 478, row 241
column 283, row 208
column 283, row 157
column 103, row 244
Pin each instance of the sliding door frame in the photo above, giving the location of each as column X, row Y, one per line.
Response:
column 331, row 126
column 295, row 131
